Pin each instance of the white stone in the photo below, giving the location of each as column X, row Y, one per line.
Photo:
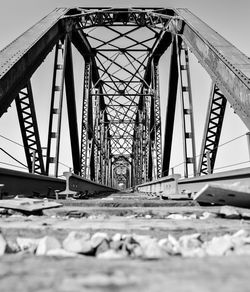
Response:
column 219, row 246
column 137, row 252
column 142, row 239
column 3, row 244
column 27, row 243
column 152, row 250
column 148, row 216
column 170, row 245
column 12, row 247
column 229, row 212
column 241, row 233
column 98, row 238
column 78, row 242
column 117, row 237
column 192, row 216
column 176, row 217
column 174, row 243
column 206, row 215
column 47, row 243
column 190, row 241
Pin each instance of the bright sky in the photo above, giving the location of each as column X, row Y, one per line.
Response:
column 229, row 18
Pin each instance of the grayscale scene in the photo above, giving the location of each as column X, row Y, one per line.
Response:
column 124, row 145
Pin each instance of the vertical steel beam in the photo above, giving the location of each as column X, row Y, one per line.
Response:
column 156, row 121
column 87, row 102
column 71, row 106
column 189, row 152
column 170, row 108
column 55, row 119
column 29, row 129
column 212, row 131
column 97, row 148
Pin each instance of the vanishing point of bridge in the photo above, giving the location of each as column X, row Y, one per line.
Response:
column 120, row 141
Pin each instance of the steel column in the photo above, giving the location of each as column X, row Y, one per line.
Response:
column 189, row 152
column 156, row 121
column 87, row 102
column 170, row 108
column 71, row 106
column 56, row 107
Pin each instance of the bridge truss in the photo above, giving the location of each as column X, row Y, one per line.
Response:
column 120, row 142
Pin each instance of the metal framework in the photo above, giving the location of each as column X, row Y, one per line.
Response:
column 29, row 129
column 120, row 124
column 212, row 131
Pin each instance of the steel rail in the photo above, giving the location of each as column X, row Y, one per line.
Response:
column 193, row 185
column 173, row 185
column 21, row 183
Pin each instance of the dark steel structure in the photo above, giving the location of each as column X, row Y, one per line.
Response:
column 120, row 141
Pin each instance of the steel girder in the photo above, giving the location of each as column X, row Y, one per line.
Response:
column 21, row 58
column 228, row 67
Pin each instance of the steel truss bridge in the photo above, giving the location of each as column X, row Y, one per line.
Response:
column 120, row 142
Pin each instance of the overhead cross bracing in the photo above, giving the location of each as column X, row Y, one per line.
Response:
column 123, row 42
column 120, row 141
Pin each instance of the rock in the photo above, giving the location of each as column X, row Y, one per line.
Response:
column 206, row 215
column 98, row 238
column 116, row 245
column 129, row 244
column 60, row 252
column 4, row 211
column 219, row 246
column 229, row 212
column 241, row 233
column 174, row 244
column 192, row 216
column 47, row 243
column 141, row 239
column 117, row 237
column 12, row 247
column 170, row 245
column 111, row 254
column 190, row 241
column 240, row 238
column 3, row 244
column 104, row 246
column 176, row 217
column 27, row 244
column 78, row 242
column 152, row 250
column 137, row 252
column 245, row 215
